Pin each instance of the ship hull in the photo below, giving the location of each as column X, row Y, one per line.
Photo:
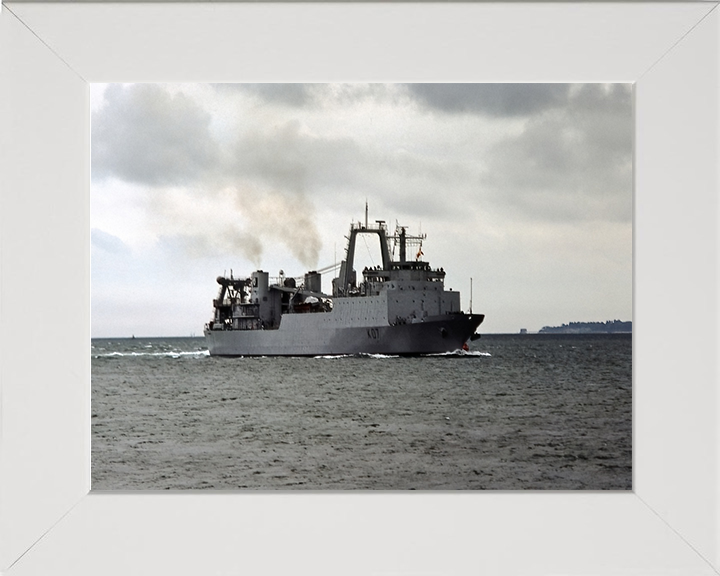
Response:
column 307, row 335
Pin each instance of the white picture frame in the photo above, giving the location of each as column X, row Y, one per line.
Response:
column 50, row 521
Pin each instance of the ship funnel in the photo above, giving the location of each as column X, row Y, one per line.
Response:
column 259, row 285
column 313, row 281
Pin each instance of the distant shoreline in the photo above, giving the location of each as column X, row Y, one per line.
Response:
column 618, row 333
column 609, row 327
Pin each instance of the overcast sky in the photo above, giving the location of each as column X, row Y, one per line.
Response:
column 525, row 188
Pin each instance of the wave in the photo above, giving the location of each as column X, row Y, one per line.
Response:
column 454, row 353
column 461, row 353
column 166, row 354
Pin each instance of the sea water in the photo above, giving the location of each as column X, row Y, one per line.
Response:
column 515, row 412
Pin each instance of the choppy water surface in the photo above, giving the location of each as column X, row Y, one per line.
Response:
column 516, row 412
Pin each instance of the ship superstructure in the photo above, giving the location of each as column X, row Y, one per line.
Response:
column 398, row 307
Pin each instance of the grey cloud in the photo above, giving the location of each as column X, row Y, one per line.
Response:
column 499, row 100
column 569, row 164
column 335, row 169
column 280, row 155
column 315, row 96
column 107, row 242
column 285, row 157
column 145, row 135
column 288, row 94
column 605, row 99
column 503, row 100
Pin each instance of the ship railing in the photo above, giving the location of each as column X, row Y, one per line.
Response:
column 377, row 225
column 376, row 274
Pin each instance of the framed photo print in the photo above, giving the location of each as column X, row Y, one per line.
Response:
column 659, row 61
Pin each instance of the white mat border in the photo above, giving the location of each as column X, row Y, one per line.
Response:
column 63, row 46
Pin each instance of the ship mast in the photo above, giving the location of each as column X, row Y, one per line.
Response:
column 470, row 294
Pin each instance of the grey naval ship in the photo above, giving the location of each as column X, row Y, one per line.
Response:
column 400, row 307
